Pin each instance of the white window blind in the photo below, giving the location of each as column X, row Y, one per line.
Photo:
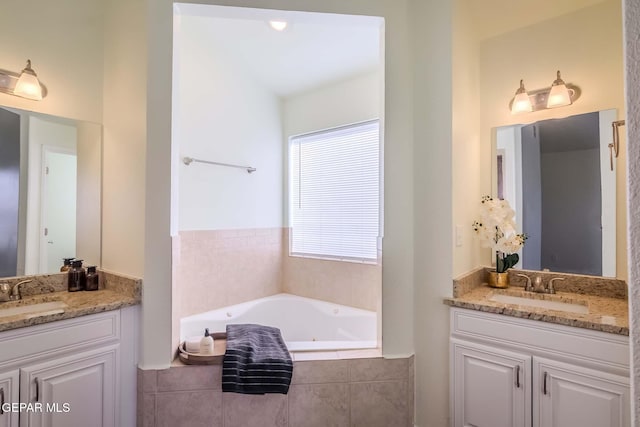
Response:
column 335, row 192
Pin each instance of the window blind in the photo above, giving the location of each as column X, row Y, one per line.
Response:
column 335, row 192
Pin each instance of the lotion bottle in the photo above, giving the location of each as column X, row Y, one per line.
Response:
column 206, row 343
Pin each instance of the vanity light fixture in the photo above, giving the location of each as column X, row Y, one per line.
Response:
column 558, row 95
column 25, row 84
column 521, row 102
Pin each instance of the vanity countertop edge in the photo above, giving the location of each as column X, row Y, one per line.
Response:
column 606, row 314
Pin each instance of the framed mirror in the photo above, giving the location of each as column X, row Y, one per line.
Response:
column 559, row 178
column 50, row 198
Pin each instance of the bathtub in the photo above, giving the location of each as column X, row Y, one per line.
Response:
column 306, row 324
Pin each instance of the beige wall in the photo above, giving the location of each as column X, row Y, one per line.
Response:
column 470, row 160
column 587, row 47
column 64, row 41
column 123, row 190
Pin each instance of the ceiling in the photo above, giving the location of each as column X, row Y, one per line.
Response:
column 315, row 49
column 495, row 17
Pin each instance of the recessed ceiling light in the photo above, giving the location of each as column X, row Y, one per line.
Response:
column 278, row 25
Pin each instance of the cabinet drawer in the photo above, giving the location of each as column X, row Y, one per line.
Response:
column 27, row 344
column 541, row 338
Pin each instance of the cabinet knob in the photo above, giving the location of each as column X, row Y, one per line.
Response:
column 1, row 401
column 544, row 382
column 37, row 389
column 517, row 376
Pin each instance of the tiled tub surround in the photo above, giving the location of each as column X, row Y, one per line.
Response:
column 116, row 291
column 355, row 284
column 371, row 392
column 606, row 299
column 218, row 268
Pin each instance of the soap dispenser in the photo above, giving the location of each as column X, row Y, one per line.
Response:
column 77, row 278
column 206, row 343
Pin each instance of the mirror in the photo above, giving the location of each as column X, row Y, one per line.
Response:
column 557, row 176
column 50, row 192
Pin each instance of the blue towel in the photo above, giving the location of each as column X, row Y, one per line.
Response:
column 257, row 361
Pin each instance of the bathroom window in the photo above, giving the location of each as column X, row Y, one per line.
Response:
column 335, row 193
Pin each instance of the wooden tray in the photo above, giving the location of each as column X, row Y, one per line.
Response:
column 219, row 347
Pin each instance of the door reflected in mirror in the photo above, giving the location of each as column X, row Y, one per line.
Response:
column 50, row 177
column 556, row 175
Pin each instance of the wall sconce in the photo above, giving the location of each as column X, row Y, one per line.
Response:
column 559, row 94
column 25, row 84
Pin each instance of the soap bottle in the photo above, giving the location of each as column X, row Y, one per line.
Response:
column 206, row 343
column 66, row 266
column 93, row 280
column 77, row 276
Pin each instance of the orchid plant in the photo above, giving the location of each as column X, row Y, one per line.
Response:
column 496, row 229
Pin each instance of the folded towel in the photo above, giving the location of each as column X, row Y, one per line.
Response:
column 256, row 361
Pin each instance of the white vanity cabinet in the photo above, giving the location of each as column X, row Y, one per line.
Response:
column 576, row 396
column 492, row 388
column 508, row 372
column 78, row 390
column 8, row 393
column 74, row 372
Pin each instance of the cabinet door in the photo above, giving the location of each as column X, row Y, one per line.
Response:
column 572, row 396
column 9, row 386
column 491, row 387
column 78, row 390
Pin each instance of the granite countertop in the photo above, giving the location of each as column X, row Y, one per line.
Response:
column 607, row 311
column 118, row 292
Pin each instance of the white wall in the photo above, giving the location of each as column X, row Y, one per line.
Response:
column 592, row 59
column 64, row 40
column 226, row 116
column 41, row 132
column 433, row 174
column 348, row 101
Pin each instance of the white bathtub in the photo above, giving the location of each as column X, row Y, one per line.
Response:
column 305, row 323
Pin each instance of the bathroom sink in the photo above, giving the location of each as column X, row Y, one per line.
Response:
column 34, row 310
column 572, row 307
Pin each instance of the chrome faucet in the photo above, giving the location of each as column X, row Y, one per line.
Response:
column 538, row 286
column 15, row 291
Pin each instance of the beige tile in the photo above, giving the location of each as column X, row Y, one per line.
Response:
column 189, row 409
column 320, row 372
column 378, row 369
column 246, row 410
column 315, row 355
column 319, row 405
column 147, row 380
column 190, row 377
column 379, row 404
column 146, row 416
